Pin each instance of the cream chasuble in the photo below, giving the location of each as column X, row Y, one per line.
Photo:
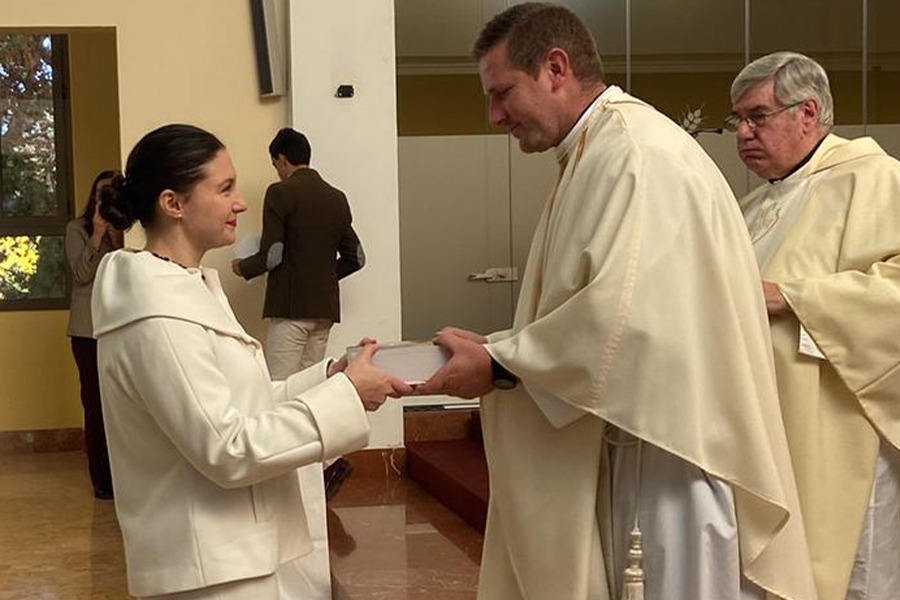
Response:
column 838, row 268
column 640, row 306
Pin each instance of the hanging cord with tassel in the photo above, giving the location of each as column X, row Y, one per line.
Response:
column 633, row 588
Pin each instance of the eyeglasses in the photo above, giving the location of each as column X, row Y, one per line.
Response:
column 755, row 120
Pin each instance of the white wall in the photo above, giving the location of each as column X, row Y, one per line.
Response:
column 354, row 144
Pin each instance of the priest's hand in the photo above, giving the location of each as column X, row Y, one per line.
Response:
column 468, row 372
column 776, row 305
column 464, row 333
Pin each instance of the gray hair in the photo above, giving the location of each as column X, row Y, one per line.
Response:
column 796, row 77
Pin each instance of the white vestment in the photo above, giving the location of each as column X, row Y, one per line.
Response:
column 687, row 517
column 876, row 571
column 814, row 235
column 640, row 308
column 688, row 522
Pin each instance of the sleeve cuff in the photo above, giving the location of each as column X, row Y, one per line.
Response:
column 339, row 415
column 498, row 336
column 308, row 378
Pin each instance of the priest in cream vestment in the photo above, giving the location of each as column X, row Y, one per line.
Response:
column 639, row 364
column 826, row 228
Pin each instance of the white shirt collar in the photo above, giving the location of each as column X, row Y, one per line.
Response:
column 569, row 141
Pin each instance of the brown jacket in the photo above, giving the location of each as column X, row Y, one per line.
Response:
column 308, row 244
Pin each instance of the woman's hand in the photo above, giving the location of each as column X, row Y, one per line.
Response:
column 340, row 365
column 100, row 227
column 372, row 384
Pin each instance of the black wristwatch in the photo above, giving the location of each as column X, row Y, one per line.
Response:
column 503, row 379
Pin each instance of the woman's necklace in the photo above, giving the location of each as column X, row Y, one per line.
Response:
column 167, row 259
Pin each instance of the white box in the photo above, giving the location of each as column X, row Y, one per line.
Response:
column 413, row 362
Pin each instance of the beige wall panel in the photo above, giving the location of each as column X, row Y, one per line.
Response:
column 532, row 178
column 888, row 136
column 687, row 27
column 722, row 148
column 829, row 27
column 454, row 220
column 441, row 28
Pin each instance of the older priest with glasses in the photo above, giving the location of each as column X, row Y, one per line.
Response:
column 826, row 230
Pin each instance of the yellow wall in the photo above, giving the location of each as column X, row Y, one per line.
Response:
column 442, row 105
column 455, row 104
column 95, row 107
column 177, row 61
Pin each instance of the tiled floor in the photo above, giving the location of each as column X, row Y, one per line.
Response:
column 389, row 539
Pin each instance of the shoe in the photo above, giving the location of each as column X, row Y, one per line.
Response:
column 102, row 494
column 335, row 475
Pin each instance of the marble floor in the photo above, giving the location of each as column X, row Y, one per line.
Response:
column 389, row 539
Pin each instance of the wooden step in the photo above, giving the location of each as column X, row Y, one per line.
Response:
column 455, row 472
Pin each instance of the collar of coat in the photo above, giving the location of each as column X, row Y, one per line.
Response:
column 134, row 285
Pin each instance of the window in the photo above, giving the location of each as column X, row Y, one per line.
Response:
column 35, row 178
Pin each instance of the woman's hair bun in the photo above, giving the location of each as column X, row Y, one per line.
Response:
column 115, row 205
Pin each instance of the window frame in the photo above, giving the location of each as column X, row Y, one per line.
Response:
column 54, row 225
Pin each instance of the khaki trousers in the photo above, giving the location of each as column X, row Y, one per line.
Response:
column 295, row 344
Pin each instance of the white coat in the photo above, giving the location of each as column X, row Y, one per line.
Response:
column 203, row 446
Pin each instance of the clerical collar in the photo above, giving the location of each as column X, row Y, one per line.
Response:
column 800, row 164
column 580, row 124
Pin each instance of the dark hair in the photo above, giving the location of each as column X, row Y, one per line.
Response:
column 293, row 145
column 533, row 29
column 87, row 216
column 172, row 157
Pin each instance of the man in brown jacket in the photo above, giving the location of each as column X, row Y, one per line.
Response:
column 308, row 244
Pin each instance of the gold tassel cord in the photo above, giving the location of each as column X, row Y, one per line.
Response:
column 633, row 581
column 633, row 588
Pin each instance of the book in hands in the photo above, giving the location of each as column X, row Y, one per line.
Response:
column 413, row 362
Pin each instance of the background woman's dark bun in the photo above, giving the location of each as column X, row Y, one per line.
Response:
column 173, row 157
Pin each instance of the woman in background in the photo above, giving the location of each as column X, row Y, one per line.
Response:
column 88, row 239
column 204, row 446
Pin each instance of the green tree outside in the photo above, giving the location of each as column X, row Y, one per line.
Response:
column 31, row 266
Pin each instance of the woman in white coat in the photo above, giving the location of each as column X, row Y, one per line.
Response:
column 203, row 446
